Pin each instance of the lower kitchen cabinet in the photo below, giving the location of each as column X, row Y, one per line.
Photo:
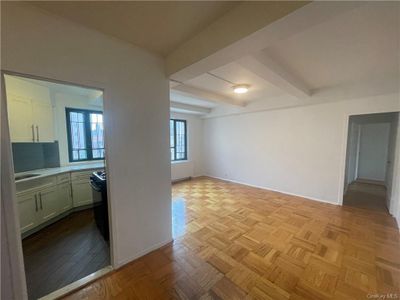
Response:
column 48, row 203
column 44, row 199
column 28, row 208
column 82, row 193
column 64, row 196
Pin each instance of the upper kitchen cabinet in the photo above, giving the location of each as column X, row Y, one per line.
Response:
column 30, row 112
column 20, row 118
column 42, row 114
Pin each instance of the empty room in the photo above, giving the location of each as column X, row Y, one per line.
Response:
column 200, row 150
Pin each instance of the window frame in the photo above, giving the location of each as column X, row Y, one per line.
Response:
column 186, row 146
column 88, row 135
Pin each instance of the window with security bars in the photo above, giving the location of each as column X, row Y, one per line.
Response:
column 178, row 139
column 85, row 130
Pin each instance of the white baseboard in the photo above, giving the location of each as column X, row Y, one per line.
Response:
column 142, row 253
column 274, row 190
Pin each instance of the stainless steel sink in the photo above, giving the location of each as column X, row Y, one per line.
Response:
column 19, row 177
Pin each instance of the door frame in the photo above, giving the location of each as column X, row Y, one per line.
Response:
column 346, row 121
column 12, row 199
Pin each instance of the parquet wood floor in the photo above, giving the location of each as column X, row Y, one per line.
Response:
column 240, row 242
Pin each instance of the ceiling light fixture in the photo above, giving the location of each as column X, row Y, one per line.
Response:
column 241, row 88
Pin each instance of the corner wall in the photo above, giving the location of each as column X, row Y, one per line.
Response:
column 136, row 108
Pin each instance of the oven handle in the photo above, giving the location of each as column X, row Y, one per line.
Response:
column 94, row 186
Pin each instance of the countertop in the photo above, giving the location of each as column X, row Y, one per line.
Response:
column 54, row 171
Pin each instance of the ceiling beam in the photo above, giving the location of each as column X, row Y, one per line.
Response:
column 242, row 20
column 182, row 107
column 195, row 57
column 192, row 91
column 265, row 67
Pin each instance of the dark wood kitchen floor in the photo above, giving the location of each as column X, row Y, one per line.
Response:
column 62, row 253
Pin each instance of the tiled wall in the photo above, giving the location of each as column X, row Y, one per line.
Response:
column 31, row 156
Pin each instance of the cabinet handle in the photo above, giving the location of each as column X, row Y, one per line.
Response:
column 33, row 133
column 40, row 197
column 37, row 133
column 70, row 190
column 36, row 202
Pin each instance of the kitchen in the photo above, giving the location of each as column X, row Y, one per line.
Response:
column 57, row 137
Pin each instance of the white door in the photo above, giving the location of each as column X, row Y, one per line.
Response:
column 373, row 155
column 20, row 118
column 64, row 197
column 81, row 193
column 48, row 203
column 42, row 114
column 28, row 207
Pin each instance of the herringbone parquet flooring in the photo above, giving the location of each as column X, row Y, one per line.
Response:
column 237, row 242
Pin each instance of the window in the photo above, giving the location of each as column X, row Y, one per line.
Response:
column 177, row 132
column 85, row 134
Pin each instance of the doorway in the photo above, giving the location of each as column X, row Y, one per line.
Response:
column 57, row 140
column 370, row 157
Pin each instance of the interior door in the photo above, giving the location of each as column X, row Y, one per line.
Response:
column 373, row 154
column 20, row 118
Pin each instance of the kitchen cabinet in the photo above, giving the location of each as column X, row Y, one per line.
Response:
column 30, row 120
column 48, row 203
column 28, row 208
column 42, row 116
column 20, row 118
column 64, row 196
column 81, row 193
column 43, row 199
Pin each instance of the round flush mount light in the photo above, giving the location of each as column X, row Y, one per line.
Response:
column 241, row 88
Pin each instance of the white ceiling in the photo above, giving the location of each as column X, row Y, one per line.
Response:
column 184, row 99
column 357, row 46
column 320, row 46
column 235, row 73
column 158, row 26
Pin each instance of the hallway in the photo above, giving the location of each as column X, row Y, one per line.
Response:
column 366, row 195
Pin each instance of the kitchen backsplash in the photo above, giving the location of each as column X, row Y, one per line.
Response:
column 31, row 156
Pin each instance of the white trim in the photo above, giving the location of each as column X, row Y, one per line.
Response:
column 270, row 189
column 77, row 284
column 142, row 253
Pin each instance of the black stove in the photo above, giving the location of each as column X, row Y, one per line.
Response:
column 98, row 181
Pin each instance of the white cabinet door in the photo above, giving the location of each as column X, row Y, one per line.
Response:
column 42, row 114
column 28, row 211
column 81, row 193
column 20, row 118
column 64, row 197
column 48, row 203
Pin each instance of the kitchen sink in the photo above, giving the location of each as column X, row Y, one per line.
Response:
column 19, row 177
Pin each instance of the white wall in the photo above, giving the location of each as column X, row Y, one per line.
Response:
column 136, row 105
column 193, row 166
column 297, row 150
column 374, row 143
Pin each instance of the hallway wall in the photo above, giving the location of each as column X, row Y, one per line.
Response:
column 373, row 151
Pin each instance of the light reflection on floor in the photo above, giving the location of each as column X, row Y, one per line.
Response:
column 178, row 217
